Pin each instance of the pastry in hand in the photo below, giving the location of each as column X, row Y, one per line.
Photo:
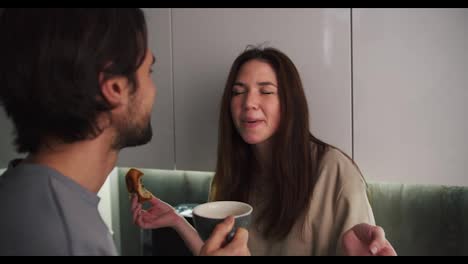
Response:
column 135, row 185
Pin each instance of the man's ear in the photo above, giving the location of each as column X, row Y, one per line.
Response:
column 114, row 90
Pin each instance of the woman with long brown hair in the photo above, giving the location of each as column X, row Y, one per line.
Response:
column 305, row 193
column 309, row 197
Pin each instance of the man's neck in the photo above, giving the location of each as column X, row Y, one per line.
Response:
column 86, row 162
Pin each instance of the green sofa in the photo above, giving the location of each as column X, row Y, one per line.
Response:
column 417, row 219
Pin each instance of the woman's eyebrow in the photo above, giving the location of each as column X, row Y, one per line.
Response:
column 240, row 84
column 267, row 83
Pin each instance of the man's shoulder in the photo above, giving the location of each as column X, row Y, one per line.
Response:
column 19, row 182
column 31, row 222
column 26, row 199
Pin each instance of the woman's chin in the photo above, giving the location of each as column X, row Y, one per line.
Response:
column 252, row 140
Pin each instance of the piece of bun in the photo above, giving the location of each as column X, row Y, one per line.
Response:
column 135, row 185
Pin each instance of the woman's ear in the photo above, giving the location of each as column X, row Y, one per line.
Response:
column 114, row 90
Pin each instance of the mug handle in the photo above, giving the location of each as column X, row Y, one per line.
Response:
column 231, row 235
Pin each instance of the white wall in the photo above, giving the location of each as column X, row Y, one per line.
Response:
column 105, row 207
column 160, row 151
column 410, row 94
column 395, row 94
column 206, row 42
column 7, row 150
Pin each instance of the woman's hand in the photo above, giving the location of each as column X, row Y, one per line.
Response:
column 215, row 245
column 160, row 214
column 366, row 240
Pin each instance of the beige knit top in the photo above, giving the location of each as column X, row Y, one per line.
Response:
column 339, row 202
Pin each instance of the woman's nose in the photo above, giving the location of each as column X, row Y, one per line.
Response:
column 251, row 101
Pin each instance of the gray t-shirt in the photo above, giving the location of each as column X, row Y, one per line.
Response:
column 45, row 213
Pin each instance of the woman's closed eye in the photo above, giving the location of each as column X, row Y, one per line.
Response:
column 237, row 91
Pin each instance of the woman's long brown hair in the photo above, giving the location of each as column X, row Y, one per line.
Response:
column 296, row 152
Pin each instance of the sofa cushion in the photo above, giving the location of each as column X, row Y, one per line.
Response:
column 422, row 219
column 417, row 219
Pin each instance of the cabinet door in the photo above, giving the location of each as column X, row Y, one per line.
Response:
column 410, row 89
column 206, row 42
column 159, row 153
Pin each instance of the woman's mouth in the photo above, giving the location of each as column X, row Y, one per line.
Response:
column 251, row 123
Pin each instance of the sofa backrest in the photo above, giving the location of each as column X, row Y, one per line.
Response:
column 175, row 187
column 422, row 219
column 417, row 219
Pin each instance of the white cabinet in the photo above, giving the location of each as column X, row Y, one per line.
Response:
column 410, row 94
column 206, row 42
column 159, row 153
column 388, row 86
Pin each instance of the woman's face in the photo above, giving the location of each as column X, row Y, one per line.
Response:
column 255, row 104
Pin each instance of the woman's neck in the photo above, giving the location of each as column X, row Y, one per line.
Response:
column 264, row 156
